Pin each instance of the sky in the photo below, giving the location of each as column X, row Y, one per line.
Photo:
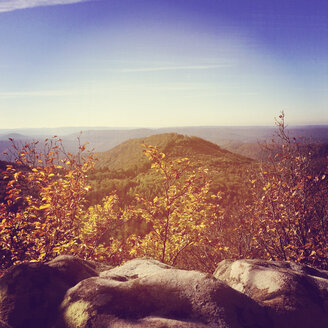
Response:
column 158, row 63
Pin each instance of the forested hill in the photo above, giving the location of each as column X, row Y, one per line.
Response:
column 127, row 170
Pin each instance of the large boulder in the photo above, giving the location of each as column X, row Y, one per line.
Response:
column 147, row 293
column 295, row 295
column 30, row 293
column 68, row 292
column 74, row 269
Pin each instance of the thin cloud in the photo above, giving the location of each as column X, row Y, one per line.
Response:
column 40, row 93
column 172, row 68
column 10, row 5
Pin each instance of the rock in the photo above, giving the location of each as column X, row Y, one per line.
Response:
column 31, row 292
column 296, row 295
column 147, row 293
column 68, row 292
column 73, row 269
column 137, row 268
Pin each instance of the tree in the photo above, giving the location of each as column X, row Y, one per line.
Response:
column 103, row 236
column 179, row 216
column 45, row 198
column 289, row 210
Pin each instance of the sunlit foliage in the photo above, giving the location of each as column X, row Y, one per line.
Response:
column 45, row 199
column 170, row 210
column 289, row 210
column 179, row 215
column 103, row 233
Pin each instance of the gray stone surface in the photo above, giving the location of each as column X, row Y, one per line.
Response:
column 147, row 292
column 72, row 293
column 74, row 269
column 30, row 293
column 295, row 295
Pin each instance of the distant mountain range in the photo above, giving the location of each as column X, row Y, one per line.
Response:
column 239, row 139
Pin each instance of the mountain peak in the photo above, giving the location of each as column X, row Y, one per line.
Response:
column 129, row 154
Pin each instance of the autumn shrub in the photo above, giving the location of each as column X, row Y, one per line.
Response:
column 288, row 213
column 282, row 216
column 45, row 198
column 45, row 214
column 179, row 216
column 104, row 232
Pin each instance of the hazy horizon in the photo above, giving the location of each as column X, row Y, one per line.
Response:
column 272, row 125
column 162, row 63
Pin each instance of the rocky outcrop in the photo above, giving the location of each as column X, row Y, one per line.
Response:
column 30, row 293
column 145, row 292
column 295, row 295
column 73, row 293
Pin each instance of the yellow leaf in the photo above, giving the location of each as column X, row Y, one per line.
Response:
column 44, row 206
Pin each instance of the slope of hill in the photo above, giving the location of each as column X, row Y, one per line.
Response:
column 127, row 170
column 129, row 154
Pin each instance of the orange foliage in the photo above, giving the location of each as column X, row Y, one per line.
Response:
column 179, row 216
column 283, row 217
column 45, row 198
column 289, row 211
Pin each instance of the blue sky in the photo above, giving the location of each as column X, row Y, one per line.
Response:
column 154, row 63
